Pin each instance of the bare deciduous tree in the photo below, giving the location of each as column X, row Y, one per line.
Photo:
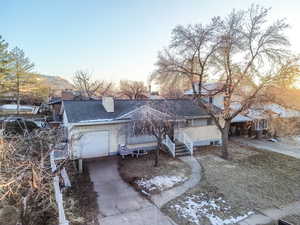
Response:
column 170, row 87
column 133, row 89
column 148, row 120
column 240, row 47
column 88, row 88
column 26, row 177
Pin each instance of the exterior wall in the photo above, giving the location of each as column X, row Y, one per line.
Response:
column 146, row 142
column 145, row 146
column 115, row 137
column 201, row 135
column 140, row 139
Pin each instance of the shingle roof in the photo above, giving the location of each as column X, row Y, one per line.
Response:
column 79, row 111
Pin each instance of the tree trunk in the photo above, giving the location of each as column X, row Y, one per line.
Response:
column 259, row 134
column 18, row 94
column 157, row 153
column 225, row 132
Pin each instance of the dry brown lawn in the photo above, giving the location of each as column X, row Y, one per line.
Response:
column 252, row 180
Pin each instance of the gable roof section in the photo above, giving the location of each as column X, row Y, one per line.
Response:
column 93, row 110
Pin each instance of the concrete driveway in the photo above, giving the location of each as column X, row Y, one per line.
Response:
column 120, row 204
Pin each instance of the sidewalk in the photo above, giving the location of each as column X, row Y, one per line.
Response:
column 161, row 199
column 272, row 215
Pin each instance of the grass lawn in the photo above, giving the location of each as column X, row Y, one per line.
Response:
column 232, row 189
column 142, row 175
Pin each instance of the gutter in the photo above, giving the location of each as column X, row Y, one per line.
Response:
column 72, row 125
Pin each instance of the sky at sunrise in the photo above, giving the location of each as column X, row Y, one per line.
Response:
column 117, row 39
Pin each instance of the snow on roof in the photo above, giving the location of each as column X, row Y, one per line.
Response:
column 240, row 118
column 13, row 107
column 282, row 111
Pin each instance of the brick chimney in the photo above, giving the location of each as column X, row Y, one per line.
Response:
column 108, row 104
column 67, row 95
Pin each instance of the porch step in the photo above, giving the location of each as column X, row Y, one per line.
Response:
column 180, row 149
column 182, row 154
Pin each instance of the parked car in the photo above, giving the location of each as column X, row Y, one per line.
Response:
column 18, row 125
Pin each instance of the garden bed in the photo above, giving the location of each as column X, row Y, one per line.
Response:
column 147, row 179
column 80, row 200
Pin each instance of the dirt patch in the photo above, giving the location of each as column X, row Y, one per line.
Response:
column 80, row 200
column 252, row 180
column 207, row 150
column 236, row 151
column 135, row 169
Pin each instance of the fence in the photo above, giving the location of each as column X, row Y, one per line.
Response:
column 57, row 190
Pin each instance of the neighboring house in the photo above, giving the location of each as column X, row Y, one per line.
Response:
column 255, row 119
column 55, row 106
column 56, row 102
column 95, row 128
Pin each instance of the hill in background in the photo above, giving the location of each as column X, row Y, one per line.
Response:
column 55, row 83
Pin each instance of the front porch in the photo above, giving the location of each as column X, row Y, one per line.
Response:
column 179, row 141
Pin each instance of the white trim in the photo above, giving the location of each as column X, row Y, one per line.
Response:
column 97, row 123
column 62, row 108
column 65, row 119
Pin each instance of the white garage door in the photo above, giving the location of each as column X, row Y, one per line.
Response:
column 94, row 144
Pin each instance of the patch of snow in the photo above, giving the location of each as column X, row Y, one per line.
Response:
column 296, row 138
column 14, row 107
column 145, row 193
column 193, row 208
column 159, row 182
column 273, row 140
column 282, row 111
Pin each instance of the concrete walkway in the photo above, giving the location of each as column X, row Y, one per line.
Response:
column 161, row 199
column 278, row 147
column 120, row 204
column 272, row 215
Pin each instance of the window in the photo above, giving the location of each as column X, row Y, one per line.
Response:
column 261, row 124
column 181, row 124
column 209, row 122
column 201, row 122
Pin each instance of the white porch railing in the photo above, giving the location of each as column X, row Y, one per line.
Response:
column 171, row 146
column 185, row 139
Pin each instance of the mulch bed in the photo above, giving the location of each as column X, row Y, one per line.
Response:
column 133, row 169
column 80, row 200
